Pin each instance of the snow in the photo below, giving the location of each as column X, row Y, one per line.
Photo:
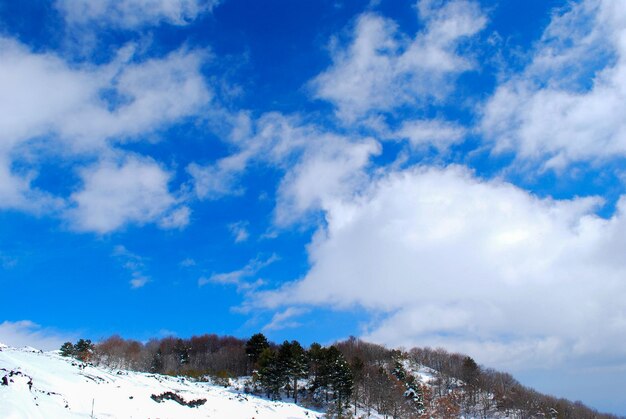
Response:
column 46, row 385
column 423, row 374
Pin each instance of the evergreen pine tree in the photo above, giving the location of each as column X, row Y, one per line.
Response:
column 315, row 357
column 156, row 366
column 470, row 373
column 255, row 346
column 292, row 363
column 299, row 367
column 67, row 349
column 83, row 349
column 270, row 374
column 285, row 364
column 398, row 370
column 341, row 379
column 318, row 368
column 284, row 356
column 182, row 352
column 334, row 376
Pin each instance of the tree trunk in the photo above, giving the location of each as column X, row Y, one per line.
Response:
column 295, row 390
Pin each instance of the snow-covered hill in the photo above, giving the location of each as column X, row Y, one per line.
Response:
column 34, row 384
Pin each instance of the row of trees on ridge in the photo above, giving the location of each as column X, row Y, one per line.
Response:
column 350, row 374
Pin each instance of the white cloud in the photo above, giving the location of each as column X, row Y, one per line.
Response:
column 117, row 193
column 139, row 281
column 219, row 179
column 133, row 263
column 44, row 95
column 38, row 89
column 472, row 265
column 52, row 107
column 16, row 191
column 130, row 14
column 331, row 169
column 239, row 230
column 283, row 319
column 26, row 333
column 240, row 277
column 440, row 134
column 133, row 99
column 177, row 218
column 187, row 263
column 382, row 69
column 318, row 166
column 568, row 104
column 272, row 138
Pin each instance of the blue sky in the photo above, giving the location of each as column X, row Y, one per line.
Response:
column 432, row 172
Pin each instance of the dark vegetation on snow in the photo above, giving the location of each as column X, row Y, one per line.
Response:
column 7, row 378
column 340, row 378
column 170, row 395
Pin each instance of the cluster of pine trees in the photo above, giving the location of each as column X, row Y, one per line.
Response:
column 351, row 374
column 326, row 374
column 83, row 349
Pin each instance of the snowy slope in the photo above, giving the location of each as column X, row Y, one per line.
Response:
column 46, row 385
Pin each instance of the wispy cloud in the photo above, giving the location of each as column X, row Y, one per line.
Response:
column 133, row 263
column 129, row 14
column 239, row 230
column 240, row 277
column 566, row 106
column 319, row 166
column 381, row 69
column 284, row 319
column 187, row 263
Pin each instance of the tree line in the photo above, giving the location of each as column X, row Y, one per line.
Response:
column 343, row 378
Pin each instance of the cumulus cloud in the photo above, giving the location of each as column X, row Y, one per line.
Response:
column 44, row 95
column 323, row 175
column 116, row 193
column 52, row 107
column 130, row 14
column 438, row 133
column 381, row 68
column 38, row 89
column 473, row 265
column 27, row 333
column 16, row 191
column 130, row 99
column 568, row 104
